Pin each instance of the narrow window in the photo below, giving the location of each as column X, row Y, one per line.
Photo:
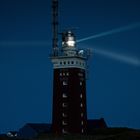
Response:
column 64, row 105
column 64, row 95
column 63, row 131
column 64, row 123
column 65, row 83
column 64, row 115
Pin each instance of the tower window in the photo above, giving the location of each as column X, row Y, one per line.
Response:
column 82, row 114
column 80, row 74
column 64, row 115
column 64, row 131
column 82, row 130
column 64, row 105
column 72, row 62
column 65, row 83
column 82, row 123
column 64, row 62
column 64, row 123
column 81, row 105
column 60, row 74
column 63, row 73
column 67, row 74
column 68, row 62
column 81, row 96
column 64, row 95
column 60, row 63
column 81, row 83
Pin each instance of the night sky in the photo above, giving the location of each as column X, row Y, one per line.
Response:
column 113, row 86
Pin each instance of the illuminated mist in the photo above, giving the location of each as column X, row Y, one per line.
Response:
column 116, row 56
column 113, row 31
column 132, row 60
column 113, row 55
column 24, row 43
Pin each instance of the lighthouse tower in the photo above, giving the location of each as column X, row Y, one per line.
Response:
column 69, row 87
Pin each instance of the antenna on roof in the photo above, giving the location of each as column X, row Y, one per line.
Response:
column 55, row 26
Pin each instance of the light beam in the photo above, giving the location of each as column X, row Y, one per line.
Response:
column 113, row 31
column 132, row 60
column 122, row 57
column 24, row 43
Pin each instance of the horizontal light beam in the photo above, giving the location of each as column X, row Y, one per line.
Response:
column 113, row 31
column 132, row 60
column 24, row 43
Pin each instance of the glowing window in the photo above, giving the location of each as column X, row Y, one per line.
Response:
column 64, row 105
column 64, row 131
column 64, row 95
column 82, row 114
column 65, row 83
column 82, row 123
column 80, row 74
column 81, row 96
column 64, row 115
column 64, row 123
column 81, row 105
column 81, row 83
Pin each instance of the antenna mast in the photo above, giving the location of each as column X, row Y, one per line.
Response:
column 55, row 26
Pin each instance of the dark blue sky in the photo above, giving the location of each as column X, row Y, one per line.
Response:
column 113, row 87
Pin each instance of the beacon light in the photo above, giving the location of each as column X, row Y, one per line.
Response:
column 71, row 43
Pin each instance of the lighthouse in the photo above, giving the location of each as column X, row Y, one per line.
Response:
column 69, row 113
column 69, row 87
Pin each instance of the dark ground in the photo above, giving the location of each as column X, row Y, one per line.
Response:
column 96, row 134
column 99, row 134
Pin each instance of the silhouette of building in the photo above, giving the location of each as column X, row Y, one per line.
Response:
column 97, row 123
column 32, row 130
column 69, row 87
